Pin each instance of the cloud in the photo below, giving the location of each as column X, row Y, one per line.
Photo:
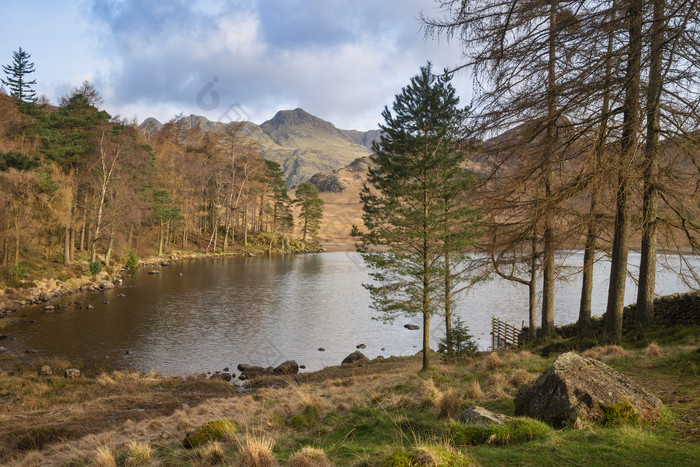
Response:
column 340, row 60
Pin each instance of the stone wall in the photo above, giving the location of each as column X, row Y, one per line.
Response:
column 671, row 310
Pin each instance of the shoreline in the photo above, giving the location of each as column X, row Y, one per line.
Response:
column 47, row 290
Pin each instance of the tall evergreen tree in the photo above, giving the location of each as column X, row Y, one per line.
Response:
column 416, row 169
column 311, row 209
column 17, row 80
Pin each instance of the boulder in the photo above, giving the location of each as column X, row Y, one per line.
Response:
column 290, row 367
column 355, row 357
column 252, row 371
column 72, row 373
column 321, row 349
column 49, row 308
column 576, row 387
column 411, row 327
column 45, row 371
column 479, row 416
column 361, row 346
column 222, row 376
column 154, row 272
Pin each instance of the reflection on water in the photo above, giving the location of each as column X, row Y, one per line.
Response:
column 210, row 314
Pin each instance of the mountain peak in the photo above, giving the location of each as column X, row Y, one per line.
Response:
column 296, row 118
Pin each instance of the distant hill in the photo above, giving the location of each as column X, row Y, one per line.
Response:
column 301, row 143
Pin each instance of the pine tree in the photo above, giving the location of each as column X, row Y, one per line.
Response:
column 311, row 209
column 416, row 169
column 20, row 87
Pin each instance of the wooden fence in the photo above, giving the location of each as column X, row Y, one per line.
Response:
column 503, row 335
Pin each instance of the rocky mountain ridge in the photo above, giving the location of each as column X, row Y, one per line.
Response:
column 301, row 143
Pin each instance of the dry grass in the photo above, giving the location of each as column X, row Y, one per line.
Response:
column 428, row 394
column 520, row 377
column 138, row 454
column 450, row 403
column 255, row 451
column 212, row 453
column 605, row 352
column 497, row 383
column 493, row 361
column 653, row 350
column 475, row 391
column 309, row 457
column 104, row 457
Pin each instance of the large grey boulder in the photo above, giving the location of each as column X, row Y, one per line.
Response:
column 479, row 416
column 252, row 371
column 575, row 387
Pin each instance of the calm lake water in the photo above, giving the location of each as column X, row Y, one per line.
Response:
column 209, row 314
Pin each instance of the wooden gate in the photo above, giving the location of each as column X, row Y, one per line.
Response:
column 503, row 335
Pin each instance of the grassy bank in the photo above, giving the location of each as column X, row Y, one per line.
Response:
column 382, row 413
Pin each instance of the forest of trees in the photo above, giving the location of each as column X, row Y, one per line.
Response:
column 590, row 112
column 80, row 186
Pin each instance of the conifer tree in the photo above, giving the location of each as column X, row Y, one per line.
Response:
column 17, row 80
column 416, row 169
column 311, row 209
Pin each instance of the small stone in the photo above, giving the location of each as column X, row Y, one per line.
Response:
column 321, row 349
column 45, row 371
column 361, row 346
column 411, row 327
column 49, row 308
column 90, row 307
column 121, row 295
column 479, row 416
column 226, row 369
column 72, row 373
column 154, row 272
column 128, row 352
column 31, row 351
column 302, row 367
column 106, row 302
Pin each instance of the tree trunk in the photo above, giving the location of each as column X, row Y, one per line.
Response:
column 647, row 266
column 160, row 239
column 184, row 237
column 72, row 245
column 584, row 314
column 618, row 269
column 245, row 227
column 130, row 236
column 532, row 293
column 548, row 240
column 448, row 305
column 66, row 244
column 5, row 252
column 110, row 244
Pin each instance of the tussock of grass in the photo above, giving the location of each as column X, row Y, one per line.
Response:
column 450, row 404
column 427, row 455
column 309, row 456
column 104, row 457
column 520, row 377
column 212, row 453
column 475, row 391
column 605, row 352
column 653, row 350
column 428, row 394
column 255, row 451
column 139, row 454
column 493, row 361
column 515, row 430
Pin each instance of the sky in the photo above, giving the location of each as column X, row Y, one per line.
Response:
column 230, row 60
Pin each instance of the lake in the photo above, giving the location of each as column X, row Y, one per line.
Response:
column 209, row 314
